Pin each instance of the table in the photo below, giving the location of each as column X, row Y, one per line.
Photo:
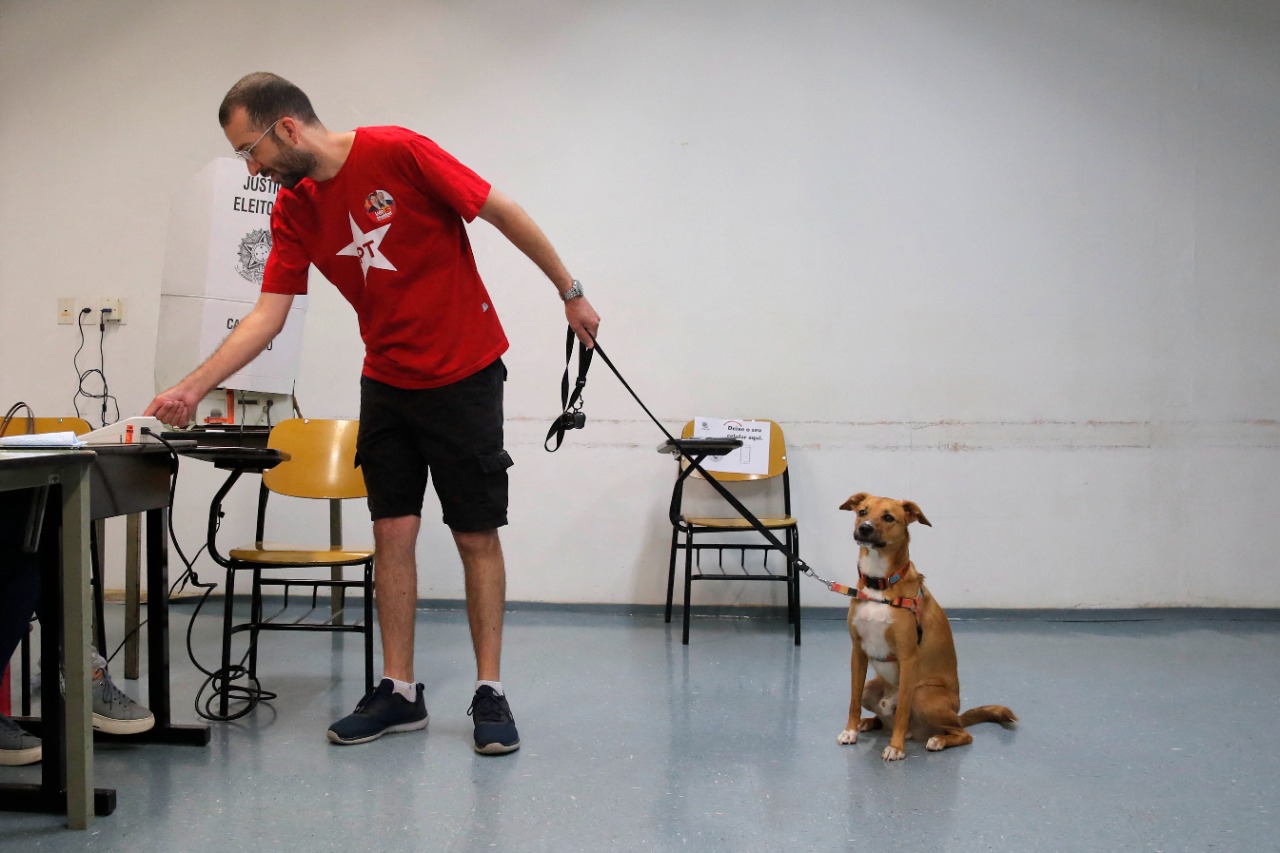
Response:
column 229, row 435
column 67, row 771
column 123, row 479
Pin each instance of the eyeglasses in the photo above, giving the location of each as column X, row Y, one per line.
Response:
column 246, row 154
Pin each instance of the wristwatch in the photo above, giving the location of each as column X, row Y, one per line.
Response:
column 573, row 292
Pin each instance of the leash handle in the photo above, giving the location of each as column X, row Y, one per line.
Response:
column 571, row 416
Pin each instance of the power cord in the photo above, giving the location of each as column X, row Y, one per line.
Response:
column 82, row 375
column 250, row 694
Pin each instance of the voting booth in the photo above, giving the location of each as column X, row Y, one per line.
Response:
column 218, row 241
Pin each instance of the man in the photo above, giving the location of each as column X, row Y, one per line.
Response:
column 431, row 390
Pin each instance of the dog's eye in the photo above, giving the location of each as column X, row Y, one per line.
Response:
column 862, row 513
column 887, row 518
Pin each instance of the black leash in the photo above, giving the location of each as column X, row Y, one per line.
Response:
column 571, row 402
column 573, row 418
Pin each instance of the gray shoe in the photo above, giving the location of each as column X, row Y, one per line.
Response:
column 115, row 713
column 16, row 746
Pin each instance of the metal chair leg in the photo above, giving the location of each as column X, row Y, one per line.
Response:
column 791, row 592
column 255, row 619
column 224, row 697
column 671, row 571
column 793, row 541
column 688, row 584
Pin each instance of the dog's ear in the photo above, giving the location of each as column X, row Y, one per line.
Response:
column 914, row 514
column 854, row 501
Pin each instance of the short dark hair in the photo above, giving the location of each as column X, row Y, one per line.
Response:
column 266, row 97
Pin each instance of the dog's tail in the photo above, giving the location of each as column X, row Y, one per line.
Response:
column 988, row 714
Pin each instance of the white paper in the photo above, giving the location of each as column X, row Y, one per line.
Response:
column 751, row 458
column 42, row 439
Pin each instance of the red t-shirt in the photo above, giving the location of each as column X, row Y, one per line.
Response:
column 388, row 231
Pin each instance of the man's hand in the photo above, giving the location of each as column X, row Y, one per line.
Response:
column 174, row 407
column 583, row 319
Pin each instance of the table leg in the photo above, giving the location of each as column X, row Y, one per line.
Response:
column 76, row 646
column 157, row 533
column 132, row 592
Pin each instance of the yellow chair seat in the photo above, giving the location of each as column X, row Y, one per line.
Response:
column 272, row 553
column 740, row 523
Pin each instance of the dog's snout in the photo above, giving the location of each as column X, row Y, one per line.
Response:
column 866, row 529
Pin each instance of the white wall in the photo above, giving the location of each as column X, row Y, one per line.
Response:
column 1013, row 260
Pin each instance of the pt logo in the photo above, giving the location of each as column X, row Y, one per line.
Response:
column 368, row 248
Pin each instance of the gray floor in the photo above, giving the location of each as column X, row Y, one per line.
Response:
column 1144, row 733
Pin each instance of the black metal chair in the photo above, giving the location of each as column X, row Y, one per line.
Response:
column 694, row 534
column 319, row 465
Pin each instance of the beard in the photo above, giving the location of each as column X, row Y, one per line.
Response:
column 291, row 166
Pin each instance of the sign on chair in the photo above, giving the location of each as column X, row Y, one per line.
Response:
column 751, row 458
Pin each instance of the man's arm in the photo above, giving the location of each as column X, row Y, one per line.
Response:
column 518, row 227
column 177, row 406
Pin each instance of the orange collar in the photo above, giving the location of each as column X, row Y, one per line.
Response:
column 885, row 582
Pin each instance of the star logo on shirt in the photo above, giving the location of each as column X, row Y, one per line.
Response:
column 368, row 248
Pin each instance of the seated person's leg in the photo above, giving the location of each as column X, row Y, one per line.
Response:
column 19, row 592
column 113, row 711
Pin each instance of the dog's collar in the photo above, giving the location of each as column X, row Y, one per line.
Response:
column 882, row 584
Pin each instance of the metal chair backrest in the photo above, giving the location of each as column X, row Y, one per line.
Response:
column 18, row 426
column 777, row 457
column 321, row 461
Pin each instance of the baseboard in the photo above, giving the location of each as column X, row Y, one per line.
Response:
column 958, row 614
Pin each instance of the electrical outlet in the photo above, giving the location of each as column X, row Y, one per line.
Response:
column 66, row 310
column 86, row 313
column 115, row 306
column 88, row 310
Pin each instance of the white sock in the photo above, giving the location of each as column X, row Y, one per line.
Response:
column 496, row 685
column 407, row 691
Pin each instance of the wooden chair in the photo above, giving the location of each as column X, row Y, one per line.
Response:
column 320, row 466
column 695, row 534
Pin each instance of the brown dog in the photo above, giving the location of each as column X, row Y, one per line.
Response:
column 898, row 628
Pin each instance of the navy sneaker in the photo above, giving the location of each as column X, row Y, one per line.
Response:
column 495, row 727
column 380, row 712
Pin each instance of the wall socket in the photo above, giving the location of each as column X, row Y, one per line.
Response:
column 70, row 308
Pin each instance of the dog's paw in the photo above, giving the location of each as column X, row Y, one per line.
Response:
column 848, row 736
column 867, row 724
column 892, row 753
column 935, row 743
